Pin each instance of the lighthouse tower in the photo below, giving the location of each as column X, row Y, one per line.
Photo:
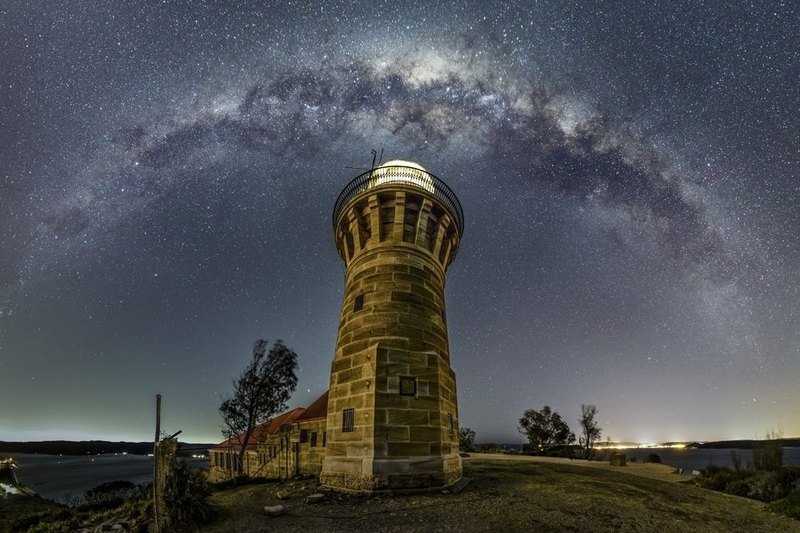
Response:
column 392, row 410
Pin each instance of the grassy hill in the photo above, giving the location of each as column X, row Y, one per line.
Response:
column 518, row 495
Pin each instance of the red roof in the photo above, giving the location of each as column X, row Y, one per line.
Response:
column 317, row 409
column 261, row 432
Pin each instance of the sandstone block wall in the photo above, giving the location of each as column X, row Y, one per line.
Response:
column 397, row 242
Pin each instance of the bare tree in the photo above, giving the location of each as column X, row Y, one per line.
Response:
column 259, row 393
column 590, row 431
column 768, row 453
column 544, row 429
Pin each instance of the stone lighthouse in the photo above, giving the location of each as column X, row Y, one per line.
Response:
column 392, row 410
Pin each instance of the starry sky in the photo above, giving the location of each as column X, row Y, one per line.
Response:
column 630, row 177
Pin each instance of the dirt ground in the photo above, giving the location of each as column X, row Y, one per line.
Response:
column 510, row 493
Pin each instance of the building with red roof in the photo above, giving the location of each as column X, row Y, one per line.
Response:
column 291, row 444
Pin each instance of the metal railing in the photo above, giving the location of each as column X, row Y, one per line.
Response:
column 413, row 176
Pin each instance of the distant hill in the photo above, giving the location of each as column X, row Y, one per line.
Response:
column 92, row 447
column 743, row 444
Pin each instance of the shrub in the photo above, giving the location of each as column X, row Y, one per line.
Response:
column 738, row 487
column 764, row 487
column 653, row 458
column 617, row 459
column 39, row 520
column 716, row 478
column 788, row 481
column 768, row 454
column 185, row 497
column 109, row 495
column 788, row 506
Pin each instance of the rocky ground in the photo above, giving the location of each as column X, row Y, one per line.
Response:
column 510, row 494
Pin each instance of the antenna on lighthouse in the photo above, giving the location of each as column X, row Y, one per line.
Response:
column 375, row 157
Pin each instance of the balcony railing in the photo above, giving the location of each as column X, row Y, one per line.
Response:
column 403, row 175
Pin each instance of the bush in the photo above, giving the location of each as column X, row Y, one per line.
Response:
column 738, row 487
column 653, row 458
column 764, row 487
column 716, row 478
column 768, row 454
column 186, row 497
column 617, row 459
column 24, row 523
column 109, row 495
column 788, row 506
column 788, row 480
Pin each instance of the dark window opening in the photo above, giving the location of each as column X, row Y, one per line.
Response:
column 313, row 439
column 348, row 420
column 303, row 435
column 358, row 304
column 348, row 240
column 450, row 424
column 408, row 386
column 324, row 438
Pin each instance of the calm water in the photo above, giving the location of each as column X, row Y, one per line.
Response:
column 62, row 478
column 698, row 458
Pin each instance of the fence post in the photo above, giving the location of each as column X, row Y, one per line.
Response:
column 156, row 495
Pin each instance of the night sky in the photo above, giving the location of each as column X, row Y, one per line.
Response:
column 630, row 178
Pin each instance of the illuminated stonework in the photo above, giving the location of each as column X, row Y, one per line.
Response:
column 392, row 411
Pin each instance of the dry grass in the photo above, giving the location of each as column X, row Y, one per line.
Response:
column 510, row 495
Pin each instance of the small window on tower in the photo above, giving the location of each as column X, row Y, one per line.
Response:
column 450, row 422
column 348, row 420
column 358, row 305
column 408, row 386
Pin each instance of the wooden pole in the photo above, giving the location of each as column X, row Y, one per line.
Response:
column 156, row 494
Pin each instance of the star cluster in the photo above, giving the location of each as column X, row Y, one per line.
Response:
column 629, row 175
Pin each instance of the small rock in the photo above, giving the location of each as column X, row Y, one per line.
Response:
column 273, row 510
column 315, row 498
column 283, row 494
column 696, row 472
column 119, row 527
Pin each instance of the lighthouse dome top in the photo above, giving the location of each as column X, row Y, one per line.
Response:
column 402, row 163
column 400, row 171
